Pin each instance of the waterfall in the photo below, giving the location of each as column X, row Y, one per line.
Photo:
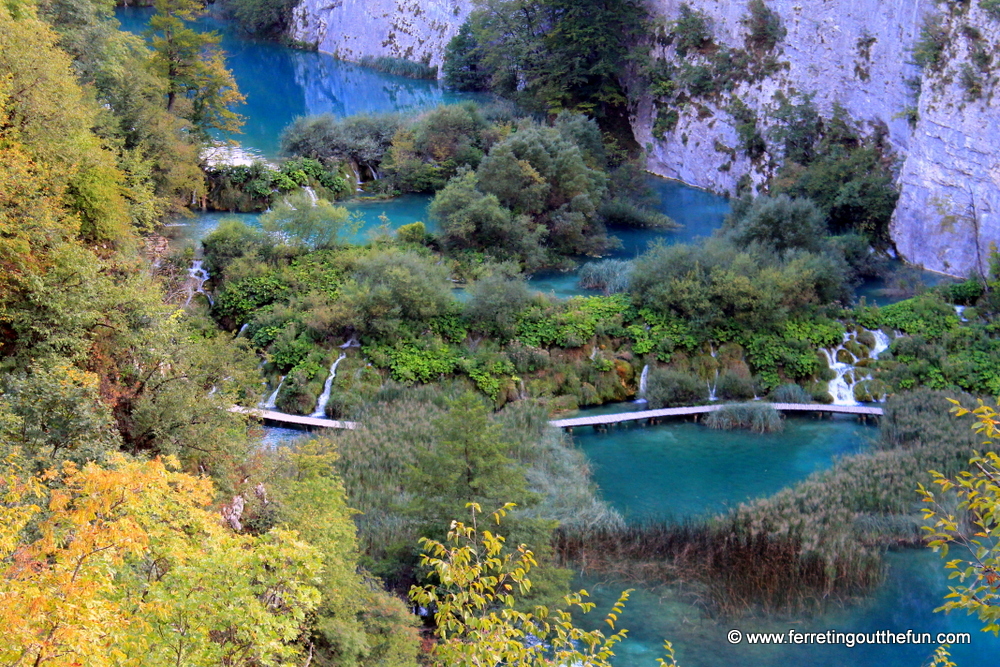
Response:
column 713, row 385
column 312, row 194
column 839, row 387
column 960, row 311
column 242, row 329
column 842, row 386
column 198, row 277
column 272, row 401
column 324, row 398
column 643, row 377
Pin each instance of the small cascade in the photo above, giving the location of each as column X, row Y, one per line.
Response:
column 713, row 385
column 643, row 381
column 846, row 361
column 960, row 311
column 353, row 342
column 272, row 401
column 324, row 398
column 198, row 277
column 312, row 194
column 242, row 329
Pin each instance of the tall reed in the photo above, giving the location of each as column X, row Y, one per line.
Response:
column 756, row 417
column 400, row 67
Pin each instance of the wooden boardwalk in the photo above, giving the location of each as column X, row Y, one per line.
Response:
column 281, row 418
column 618, row 418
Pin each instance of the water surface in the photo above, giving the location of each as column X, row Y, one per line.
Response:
column 684, row 470
column 281, row 84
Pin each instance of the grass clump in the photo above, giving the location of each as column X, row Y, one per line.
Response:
column 400, row 67
column 611, row 276
column 790, row 393
column 756, row 417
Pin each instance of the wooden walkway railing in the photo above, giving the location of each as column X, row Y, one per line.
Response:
column 618, row 418
column 596, row 421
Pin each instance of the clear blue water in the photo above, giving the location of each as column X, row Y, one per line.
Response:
column 914, row 586
column 281, row 84
column 683, row 470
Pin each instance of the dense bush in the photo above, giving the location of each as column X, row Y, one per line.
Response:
column 667, row 389
column 779, row 222
column 849, row 176
column 361, row 139
column 533, row 199
column 765, row 27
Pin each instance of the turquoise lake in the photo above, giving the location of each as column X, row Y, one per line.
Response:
column 683, row 470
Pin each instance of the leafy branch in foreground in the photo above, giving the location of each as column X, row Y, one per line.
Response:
column 474, row 605
column 974, row 524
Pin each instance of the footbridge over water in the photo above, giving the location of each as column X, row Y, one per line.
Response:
column 597, row 421
column 292, row 421
column 654, row 416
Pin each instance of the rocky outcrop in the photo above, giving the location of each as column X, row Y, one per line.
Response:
column 948, row 215
column 854, row 54
column 859, row 55
column 417, row 30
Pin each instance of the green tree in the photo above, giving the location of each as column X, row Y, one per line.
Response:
column 358, row 623
column 974, row 525
column 311, row 224
column 468, row 463
column 199, row 87
column 779, row 222
column 475, row 597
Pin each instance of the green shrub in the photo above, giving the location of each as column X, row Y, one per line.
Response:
column 992, row 8
column 667, row 388
column 731, row 386
column 789, row 393
column 622, row 213
column 764, row 24
column 692, row 31
column 928, row 51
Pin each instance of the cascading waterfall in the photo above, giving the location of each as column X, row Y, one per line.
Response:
column 960, row 311
column 312, row 194
column 242, row 329
column 324, row 398
column 643, row 380
column 842, row 387
column 272, row 401
column 712, row 385
column 199, row 276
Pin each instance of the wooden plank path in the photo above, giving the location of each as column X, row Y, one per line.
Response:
column 294, row 420
column 598, row 420
column 618, row 418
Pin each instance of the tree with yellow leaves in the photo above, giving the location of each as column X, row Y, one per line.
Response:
column 123, row 565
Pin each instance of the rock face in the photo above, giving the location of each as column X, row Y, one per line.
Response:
column 856, row 54
column 350, row 29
